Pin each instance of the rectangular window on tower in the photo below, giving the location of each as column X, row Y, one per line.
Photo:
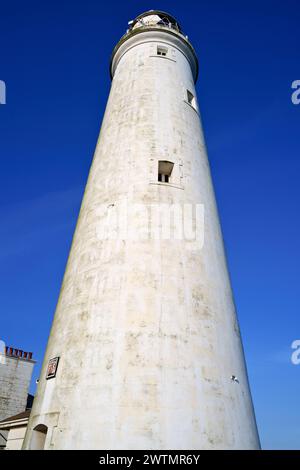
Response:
column 162, row 51
column 191, row 99
column 164, row 171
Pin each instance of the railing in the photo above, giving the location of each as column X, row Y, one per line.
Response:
column 155, row 25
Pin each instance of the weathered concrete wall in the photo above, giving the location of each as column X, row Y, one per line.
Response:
column 146, row 330
column 15, row 377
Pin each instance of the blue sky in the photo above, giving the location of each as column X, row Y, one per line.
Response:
column 54, row 60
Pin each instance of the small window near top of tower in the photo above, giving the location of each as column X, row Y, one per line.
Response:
column 162, row 51
column 191, row 99
column 164, row 171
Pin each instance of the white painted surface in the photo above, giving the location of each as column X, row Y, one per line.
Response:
column 146, row 331
column 15, row 438
column 38, row 440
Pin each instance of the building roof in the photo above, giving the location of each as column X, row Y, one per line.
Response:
column 20, row 418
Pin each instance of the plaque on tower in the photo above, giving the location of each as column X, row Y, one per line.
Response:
column 52, row 368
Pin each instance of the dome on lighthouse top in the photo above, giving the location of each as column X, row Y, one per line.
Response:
column 154, row 18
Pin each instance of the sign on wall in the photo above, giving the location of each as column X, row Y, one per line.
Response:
column 52, row 368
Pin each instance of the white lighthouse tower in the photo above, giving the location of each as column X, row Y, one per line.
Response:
column 145, row 350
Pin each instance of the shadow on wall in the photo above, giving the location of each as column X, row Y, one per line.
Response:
column 39, row 437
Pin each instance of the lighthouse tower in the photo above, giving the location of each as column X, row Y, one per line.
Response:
column 145, row 350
